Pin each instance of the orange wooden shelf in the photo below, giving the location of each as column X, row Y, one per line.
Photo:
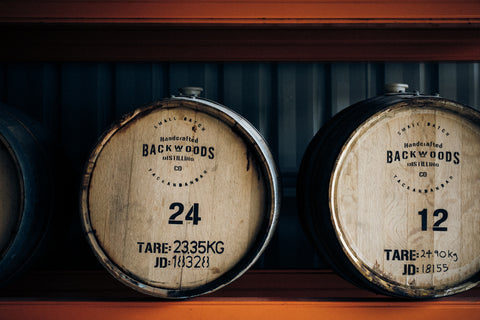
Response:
column 238, row 310
column 244, row 12
column 269, row 294
column 247, row 30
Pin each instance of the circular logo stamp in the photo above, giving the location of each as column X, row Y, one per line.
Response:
column 423, row 154
column 178, row 150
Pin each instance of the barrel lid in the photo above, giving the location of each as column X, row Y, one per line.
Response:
column 201, row 177
column 434, row 142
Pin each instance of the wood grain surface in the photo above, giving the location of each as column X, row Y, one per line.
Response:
column 405, row 199
column 175, row 198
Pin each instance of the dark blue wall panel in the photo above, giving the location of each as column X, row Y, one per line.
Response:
column 287, row 102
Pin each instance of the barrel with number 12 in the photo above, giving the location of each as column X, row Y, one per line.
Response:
column 180, row 198
column 389, row 192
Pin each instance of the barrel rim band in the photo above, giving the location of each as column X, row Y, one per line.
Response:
column 368, row 272
column 19, row 175
column 36, row 190
column 270, row 172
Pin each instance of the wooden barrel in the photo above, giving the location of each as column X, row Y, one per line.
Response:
column 179, row 198
column 26, row 191
column 388, row 191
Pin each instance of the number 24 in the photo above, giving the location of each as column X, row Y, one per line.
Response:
column 192, row 214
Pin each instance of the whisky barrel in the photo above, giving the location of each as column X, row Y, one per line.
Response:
column 26, row 191
column 388, row 193
column 179, row 198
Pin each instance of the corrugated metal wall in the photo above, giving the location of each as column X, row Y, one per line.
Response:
column 287, row 102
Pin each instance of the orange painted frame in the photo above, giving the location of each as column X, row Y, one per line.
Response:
column 246, row 30
column 259, row 294
column 232, row 310
column 246, row 12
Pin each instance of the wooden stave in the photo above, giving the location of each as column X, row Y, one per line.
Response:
column 256, row 142
column 315, row 212
column 318, row 227
column 29, row 146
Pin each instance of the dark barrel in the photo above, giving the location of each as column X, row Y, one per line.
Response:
column 26, row 189
column 388, row 194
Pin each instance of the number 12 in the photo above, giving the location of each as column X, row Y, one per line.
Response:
column 436, row 226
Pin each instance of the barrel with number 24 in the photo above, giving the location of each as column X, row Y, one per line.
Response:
column 389, row 192
column 180, row 197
